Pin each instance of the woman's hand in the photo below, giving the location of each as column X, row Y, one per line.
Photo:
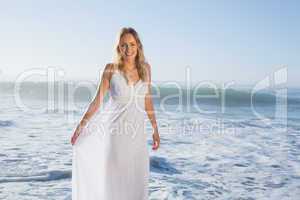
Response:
column 156, row 140
column 76, row 134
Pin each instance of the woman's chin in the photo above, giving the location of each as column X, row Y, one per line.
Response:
column 129, row 58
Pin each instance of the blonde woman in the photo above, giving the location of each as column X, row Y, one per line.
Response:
column 110, row 155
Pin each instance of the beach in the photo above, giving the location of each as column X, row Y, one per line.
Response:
column 213, row 154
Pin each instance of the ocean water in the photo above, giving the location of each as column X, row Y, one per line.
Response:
column 208, row 151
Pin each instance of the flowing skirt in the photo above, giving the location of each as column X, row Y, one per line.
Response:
column 110, row 157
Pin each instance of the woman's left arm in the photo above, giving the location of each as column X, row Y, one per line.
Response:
column 150, row 110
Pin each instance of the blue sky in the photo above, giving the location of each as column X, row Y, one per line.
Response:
column 241, row 41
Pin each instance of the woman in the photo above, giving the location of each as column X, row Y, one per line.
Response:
column 110, row 155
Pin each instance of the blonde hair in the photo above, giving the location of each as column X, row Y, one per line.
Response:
column 139, row 59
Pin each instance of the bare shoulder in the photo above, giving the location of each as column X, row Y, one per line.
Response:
column 109, row 67
column 148, row 71
column 148, row 67
column 108, row 70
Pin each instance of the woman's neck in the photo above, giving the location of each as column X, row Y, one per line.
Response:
column 129, row 65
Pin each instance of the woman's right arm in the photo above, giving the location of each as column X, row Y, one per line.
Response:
column 97, row 101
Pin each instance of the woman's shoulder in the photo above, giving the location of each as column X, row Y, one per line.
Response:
column 146, row 64
column 108, row 71
column 109, row 65
column 147, row 67
column 110, row 68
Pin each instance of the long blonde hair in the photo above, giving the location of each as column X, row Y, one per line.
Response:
column 139, row 59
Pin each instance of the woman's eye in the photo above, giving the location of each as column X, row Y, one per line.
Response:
column 127, row 45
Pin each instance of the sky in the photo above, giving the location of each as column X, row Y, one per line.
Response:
column 220, row 41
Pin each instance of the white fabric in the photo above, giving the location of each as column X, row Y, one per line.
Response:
column 110, row 157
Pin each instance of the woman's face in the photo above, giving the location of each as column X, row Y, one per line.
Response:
column 128, row 47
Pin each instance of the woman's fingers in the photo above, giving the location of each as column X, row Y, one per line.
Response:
column 74, row 138
column 156, row 142
column 155, row 146
column 76, row 135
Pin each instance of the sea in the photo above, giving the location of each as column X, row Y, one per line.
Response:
column 216, row 143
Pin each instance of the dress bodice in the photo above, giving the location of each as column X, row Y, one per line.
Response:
column 122, row 92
